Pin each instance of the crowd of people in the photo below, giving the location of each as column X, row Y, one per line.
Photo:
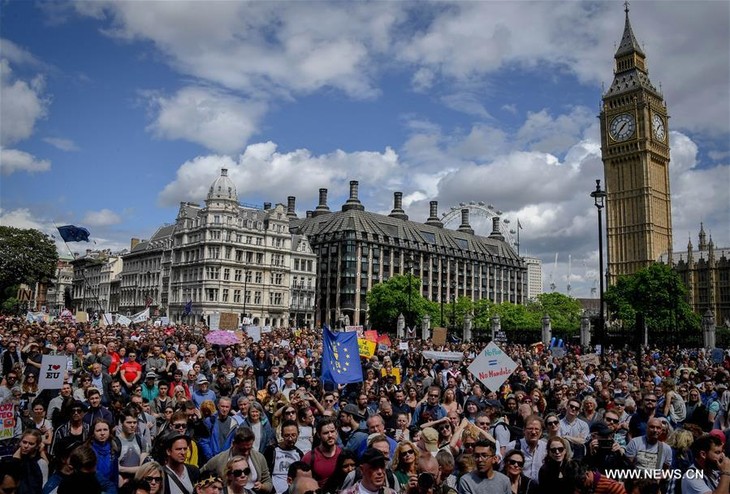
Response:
column 160, row 410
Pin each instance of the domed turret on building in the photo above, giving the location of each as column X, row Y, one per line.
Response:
column 223, row 189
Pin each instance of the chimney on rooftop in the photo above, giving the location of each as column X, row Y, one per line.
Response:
column 433, row 218
column 353, row 202
column 133, row 243
column 465, row 227
column 267, row 206
column 397, row 211
column 290, row 207
column 322, row 207
column 496, row 232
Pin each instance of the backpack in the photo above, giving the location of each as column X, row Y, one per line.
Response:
column 515, row 433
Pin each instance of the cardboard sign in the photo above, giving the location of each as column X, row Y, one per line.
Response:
column 367, row 347
column 359, row 329
column 82, row 316
column 589, row 359
column 123, row 320
column 403, row 345
column 215, row 321
column 228, row 321
column 371, row 335
column 395, row 372
column 254, row 332
column 439, row 336
column 53, row 369
column 7, row 421
column 492, row 367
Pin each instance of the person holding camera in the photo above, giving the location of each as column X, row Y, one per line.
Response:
column 602, row 451
column 372, row 466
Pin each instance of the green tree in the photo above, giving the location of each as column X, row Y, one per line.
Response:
column 658, row 293
column 386, row 301
column 564, row 311
column 28, row 256
column 516, row 317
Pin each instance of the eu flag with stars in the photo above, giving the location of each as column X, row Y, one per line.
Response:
column 340, row 357
column 72, row 233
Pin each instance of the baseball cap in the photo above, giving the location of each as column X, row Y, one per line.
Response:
column 202, row 379
column 430, row 438
column 151, row 375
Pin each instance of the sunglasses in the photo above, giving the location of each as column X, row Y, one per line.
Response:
column 239, row 473
column 610, row 420
column 179, row 426
column 559, row 449
column 153, row 480
column 552, row 422
column 468, row 445
column 516, row 463
column 77, row 410
column 409, row 452
column 574, row 407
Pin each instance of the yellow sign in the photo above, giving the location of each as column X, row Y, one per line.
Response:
column 367, row 347
column 394, row 371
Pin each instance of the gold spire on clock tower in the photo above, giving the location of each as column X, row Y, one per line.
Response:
column 635, row 153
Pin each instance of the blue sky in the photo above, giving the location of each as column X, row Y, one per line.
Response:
column 114, row 112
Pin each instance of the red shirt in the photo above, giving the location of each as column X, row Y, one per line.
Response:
column 129, row 371
column 322, row 466
column 115, row 363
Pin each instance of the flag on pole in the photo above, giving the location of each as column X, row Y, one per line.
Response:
column 340, row 357
column 72, row 233
column 188, row 308
column 519, row 225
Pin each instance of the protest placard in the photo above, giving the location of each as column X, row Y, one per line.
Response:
column 53, row 368
column 228, row 321
column 7, row 421
column 366, row 347
column 439, row 336
column 492, row 367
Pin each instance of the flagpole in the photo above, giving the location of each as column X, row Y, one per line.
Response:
column 83, row 272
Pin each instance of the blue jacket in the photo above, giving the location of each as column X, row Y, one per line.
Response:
column 211, row 444
column 199, row 397
column 267, row 433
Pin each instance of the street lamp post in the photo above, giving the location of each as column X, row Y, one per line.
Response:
column 409, row 267
column 599, row 199
column 453, row 305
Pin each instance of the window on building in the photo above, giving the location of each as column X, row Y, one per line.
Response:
column 259, row 276
column 237, row 274
column 225, row 295
column 257, row 298
column 259, row 258
column 226, row 274
column 236, row 296
column 212, row 294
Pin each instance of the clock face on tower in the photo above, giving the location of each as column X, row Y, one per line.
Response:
column 657, row 126
column 622, row 127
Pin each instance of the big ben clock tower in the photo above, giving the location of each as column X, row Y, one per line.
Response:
column 635, row 153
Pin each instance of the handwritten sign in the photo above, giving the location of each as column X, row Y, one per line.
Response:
column 53, row 368
column 492, row 367
column 367, row 347
column 7, row 421
column 439, row 337
column 228, row 321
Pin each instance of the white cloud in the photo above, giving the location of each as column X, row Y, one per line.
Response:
column 217, row 120
column 21, row 105
column 14, row 160
column 264, row 172
column 104, row 217
column 62, row 144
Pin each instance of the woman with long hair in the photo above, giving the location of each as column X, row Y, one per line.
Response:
column 101, row 440
column 236, row 478
column 412, row 399
column 154, row 475
column 551, row 477
column 405, row 462
column 514, row 463
column 34, row 468
column 29, row 387
column 40, row 422
column 346, row 463
column 238, row 376
column 259, row 424
column 261, row 368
